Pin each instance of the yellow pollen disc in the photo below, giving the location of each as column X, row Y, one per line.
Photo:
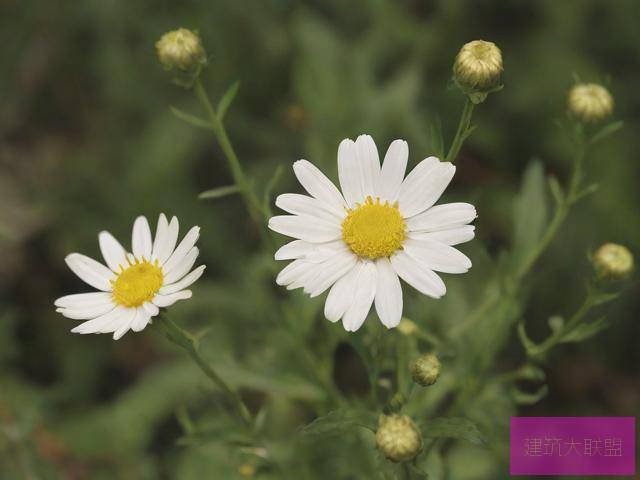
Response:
column 138, row 283
column 374, row 229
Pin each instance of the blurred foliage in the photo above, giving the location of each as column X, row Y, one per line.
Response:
column 88, row 142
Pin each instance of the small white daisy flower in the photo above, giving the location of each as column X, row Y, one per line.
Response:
column 381, row 227
column 135, row 285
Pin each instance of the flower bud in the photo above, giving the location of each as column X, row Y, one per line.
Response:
column 407, row 327
column 426, row 369
column 477, row 69
column 590, row 102
column 398, row 438
column 181, row 50
column 613, row 261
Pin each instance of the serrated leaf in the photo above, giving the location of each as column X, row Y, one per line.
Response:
column 219, row 192
column 584, row 331
column 339, row 421
column 607, row 130
column 227, row 99
column 524, row 398
column 453, row 427
column 190, row 119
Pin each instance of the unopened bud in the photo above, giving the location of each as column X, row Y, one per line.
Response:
column 426, row 369
column 477, row 69
column 590, row 102
column 398, row 438
column 182, row 50
column 613, row 261
column 407, row 327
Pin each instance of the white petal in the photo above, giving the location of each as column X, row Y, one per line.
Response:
column 151, row 309
column 293, row 250
column 185, row 246
column 330, row 271
column 104, row 323
column 424, row 185
column 349, row 173
column 363, row 296
column 388, row 300
column 437, row 256
column 184, row 283
column 112, row 252
column 442, row 217
column 419, row 277
column 293, row 271
column 86, row 313
column 181, row 268
column 341, row 294
column 83, row 300
column 450, row 236
column 141, row 320
column 393, row 169
column 90, row 271
column 141, row 238
column 166, row 238
column 163, row 301
column 319, row 186
column 305, row 228
column 161, row 232
column 125, row 323
column 369, row 165
column 307, row 206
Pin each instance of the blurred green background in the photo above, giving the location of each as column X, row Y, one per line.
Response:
column 87, row 142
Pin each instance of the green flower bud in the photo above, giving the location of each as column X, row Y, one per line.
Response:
column 181, row 50
column 426, row 369
column 398, row 438
column 590, row 102
column 477, row 69
column 407, row 327
column 613, row 261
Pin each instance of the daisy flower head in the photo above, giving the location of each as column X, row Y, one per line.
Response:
column 382, row 227
column 135, row 285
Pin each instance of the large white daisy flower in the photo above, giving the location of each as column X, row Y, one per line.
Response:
column 381, row 227
column 135, row 285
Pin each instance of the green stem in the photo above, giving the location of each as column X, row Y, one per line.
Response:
column 187, row 342
column 462, row 132
column 248, row 194
column 561, row 212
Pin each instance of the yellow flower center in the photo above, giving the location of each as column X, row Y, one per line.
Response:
column 138, row 283
column 373, row 229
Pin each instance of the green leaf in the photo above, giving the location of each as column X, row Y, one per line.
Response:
column 597, row 297
column 437, row 139
column 269, row 188
column 530, row 214
column 606, row 131
column 453, row 427
column 340, row 421
column 190, row 119
column 227, row 99
column 527, row 343
column 524, row 398
column 556, row 190
column 584, row 331
column 219, row 192
column 588, row 190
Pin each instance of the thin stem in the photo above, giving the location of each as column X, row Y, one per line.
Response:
column 187, row 342
column 239, row 177
column 462, row 132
